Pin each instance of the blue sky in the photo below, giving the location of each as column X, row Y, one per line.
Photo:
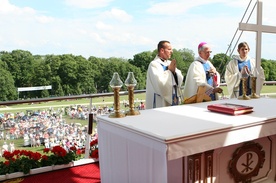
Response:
column 123, row 28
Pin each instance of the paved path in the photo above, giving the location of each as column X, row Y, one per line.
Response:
column 43, row 107
column 40, row 107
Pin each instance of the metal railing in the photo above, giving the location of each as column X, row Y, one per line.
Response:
column 265, row 83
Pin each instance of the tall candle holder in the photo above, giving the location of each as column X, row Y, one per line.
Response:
column 244, row 78
column 131, row 82
column 253, row 77
column 116, row 85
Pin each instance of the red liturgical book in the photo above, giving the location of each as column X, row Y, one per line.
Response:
column 227, row 108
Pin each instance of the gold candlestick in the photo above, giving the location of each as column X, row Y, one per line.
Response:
column 254, row 74
column 116, row 85
column 244, row 89
column 253, row 88
column 131, row 83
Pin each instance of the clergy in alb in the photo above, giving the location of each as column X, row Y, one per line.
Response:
column 163, row 79
column 201, row 72
column 242, row 66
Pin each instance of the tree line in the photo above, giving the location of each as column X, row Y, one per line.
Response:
column 74, row 75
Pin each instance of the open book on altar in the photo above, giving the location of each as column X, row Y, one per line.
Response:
column 228, row 108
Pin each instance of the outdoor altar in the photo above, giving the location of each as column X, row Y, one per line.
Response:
column 189, row 143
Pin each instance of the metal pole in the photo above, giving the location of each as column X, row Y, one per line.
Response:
column 88, row 137
column 259, row 44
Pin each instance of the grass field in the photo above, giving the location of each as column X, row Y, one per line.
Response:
column 106, row 101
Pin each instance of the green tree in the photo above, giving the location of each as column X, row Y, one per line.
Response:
column 68, row 72
column 56, row 84
column 120, row 65
column 269, row 67
column 112, row 65
column 7, row 89
column 20, row 64
column 42, row 77
column 184, row 57
column 125, row 68
column 219, row 61
column 97, row 68
column 85, row 75
column 142, row 60
column 11, row 66
column 24, row 65
column 53, row 62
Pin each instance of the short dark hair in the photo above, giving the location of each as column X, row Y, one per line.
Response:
column 243, row 44
column 161, row 45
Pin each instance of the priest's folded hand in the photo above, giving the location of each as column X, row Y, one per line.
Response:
column 172, row 66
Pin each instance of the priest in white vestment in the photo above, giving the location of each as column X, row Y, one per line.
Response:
column 163, row 79
column 240, row 65
column 201, row 72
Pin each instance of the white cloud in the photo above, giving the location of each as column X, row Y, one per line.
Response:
column 44, row 19
column 102, row 26
column 88, row 4
column 178, row 6
column 7, row 8
column 237, row 3
column 98, row 38
column 118, row 14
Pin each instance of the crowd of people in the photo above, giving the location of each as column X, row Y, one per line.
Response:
column 45, row 128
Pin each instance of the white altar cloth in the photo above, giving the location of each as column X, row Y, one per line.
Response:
column 142, row 148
